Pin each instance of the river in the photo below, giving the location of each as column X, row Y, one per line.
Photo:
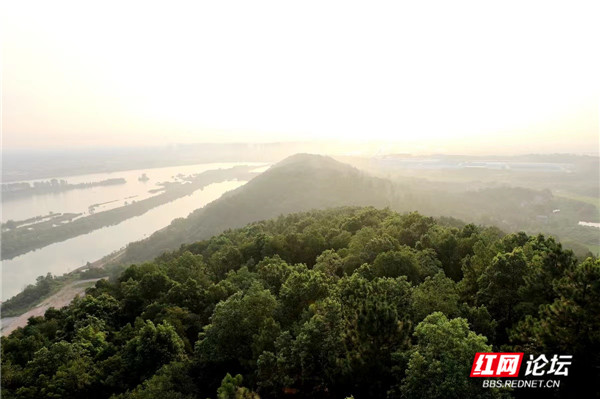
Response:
column 65, row 256
column 79, row 200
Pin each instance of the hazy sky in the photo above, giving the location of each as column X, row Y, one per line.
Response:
column 431, row 76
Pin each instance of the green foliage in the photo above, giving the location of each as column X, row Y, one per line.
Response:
column 234, row 324
column 318, row 304
column 435, row 294
column 230, row 389
column 396, row 264
column 377, row 324
column 570, row 324
column 170, row 382
column 500, row 286
column 330, row 263
column 302, row 288
column 31, row 295
column 308, row 362
column 152, row 347
column 440, row 362
column 273, row 272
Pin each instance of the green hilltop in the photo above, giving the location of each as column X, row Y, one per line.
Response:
column 328, row 304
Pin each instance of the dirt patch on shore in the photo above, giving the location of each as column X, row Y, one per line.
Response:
column 62, row 298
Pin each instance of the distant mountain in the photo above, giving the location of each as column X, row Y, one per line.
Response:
column 304, row 182
column 298, row 183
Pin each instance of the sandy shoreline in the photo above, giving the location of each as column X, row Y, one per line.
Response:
column 62, row 298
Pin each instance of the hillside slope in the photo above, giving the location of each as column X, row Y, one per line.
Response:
column 303, row 182
column 298, row 183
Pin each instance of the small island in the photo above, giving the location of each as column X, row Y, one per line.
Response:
column 19, row 238
column 24, row 189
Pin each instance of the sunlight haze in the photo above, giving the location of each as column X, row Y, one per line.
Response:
column 308, row 199
column 513, row 77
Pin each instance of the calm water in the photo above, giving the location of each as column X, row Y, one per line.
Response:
column 78, row 201
column 68, row 255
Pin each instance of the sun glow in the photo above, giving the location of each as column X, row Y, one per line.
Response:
column 131, row 73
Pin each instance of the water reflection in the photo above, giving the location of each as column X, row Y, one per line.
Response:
column 68, row 255
column 79, row 200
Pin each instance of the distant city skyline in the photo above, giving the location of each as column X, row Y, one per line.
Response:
column 511, row 78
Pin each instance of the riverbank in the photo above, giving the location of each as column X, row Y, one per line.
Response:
column 22, row 240
column 63, row 297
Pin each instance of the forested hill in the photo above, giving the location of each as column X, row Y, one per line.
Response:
column 304, row 182
column 325, row 304
column 298, row 183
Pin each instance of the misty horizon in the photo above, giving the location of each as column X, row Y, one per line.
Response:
column 366, row 148
column 276, row 199
column 414, row 80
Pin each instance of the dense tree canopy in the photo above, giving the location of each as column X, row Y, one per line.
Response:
column 345, row 302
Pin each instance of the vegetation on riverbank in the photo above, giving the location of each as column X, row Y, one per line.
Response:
column 32, row 294
column 23, row 239
column 48, row 285
column 25, row 189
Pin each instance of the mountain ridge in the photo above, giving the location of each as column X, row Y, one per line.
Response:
column 298, row 183
column 304, row 182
